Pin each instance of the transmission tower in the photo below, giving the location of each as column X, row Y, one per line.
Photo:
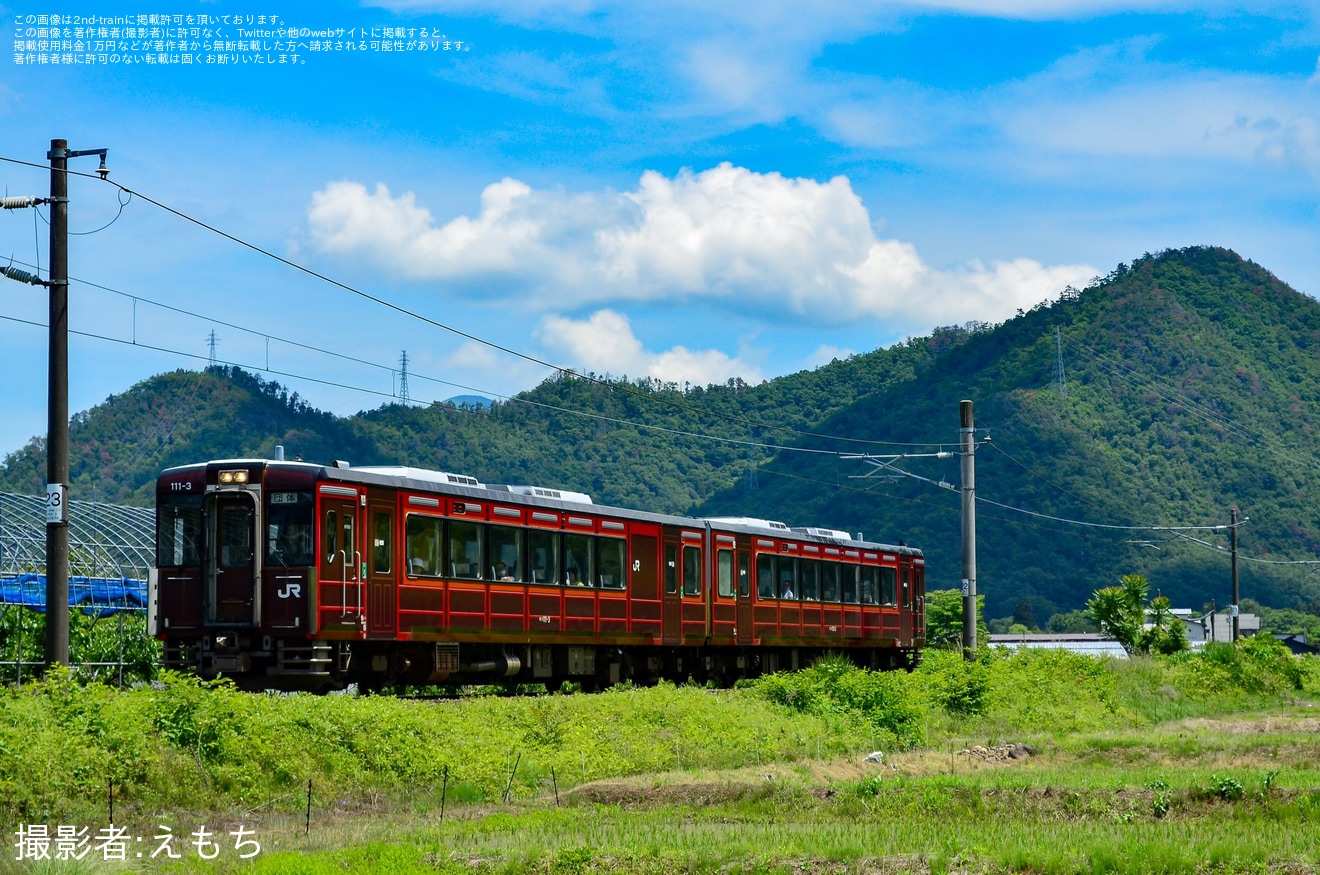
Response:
column 211, row 341
column 1058, row 351
column 403, row 378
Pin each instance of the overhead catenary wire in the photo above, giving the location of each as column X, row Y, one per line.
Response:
column 460, row 332
column 590, row 378
column 1144, row 382
column 312, row 348
column 466, row 409
column 662, row 429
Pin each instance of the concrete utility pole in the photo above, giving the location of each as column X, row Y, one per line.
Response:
column 57, row 415
column 57, row 409
column 1232, row 540
column 967, row 447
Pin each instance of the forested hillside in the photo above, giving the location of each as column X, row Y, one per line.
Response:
column 1190, row 383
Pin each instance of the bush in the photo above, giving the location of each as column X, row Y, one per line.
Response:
column 834, row 686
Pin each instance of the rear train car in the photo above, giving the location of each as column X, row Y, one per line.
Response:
column 288, row 575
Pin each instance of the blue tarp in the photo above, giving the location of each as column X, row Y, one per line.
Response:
column 93, row 594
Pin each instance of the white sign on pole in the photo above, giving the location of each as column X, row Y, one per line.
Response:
column 57, row 503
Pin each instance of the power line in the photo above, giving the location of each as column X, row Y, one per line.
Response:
column 464, row 334
column 1145, row 382
column 391, row 395
column 497, row 395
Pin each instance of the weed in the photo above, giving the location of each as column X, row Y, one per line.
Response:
column 1160, row 804
column 1226, row 788
column 869, row 787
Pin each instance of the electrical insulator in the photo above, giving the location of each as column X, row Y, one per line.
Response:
column 18, row 202
column 22, row 276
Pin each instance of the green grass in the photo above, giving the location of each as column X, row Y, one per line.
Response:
column 1188, row 764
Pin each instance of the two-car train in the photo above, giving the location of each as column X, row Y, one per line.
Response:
column 288, row 575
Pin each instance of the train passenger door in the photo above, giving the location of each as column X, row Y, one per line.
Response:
column 671, row 597
column 744, row 590
column 234, row 563
column 905, row 601
column 919, row 598
column 380, row 555
column 339, row 557
column 644, row 587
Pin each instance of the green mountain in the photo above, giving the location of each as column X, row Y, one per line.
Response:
column 1190, row 383
column 116, row 449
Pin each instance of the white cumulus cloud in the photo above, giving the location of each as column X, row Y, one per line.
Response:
column 605, row 343
column 761, row 242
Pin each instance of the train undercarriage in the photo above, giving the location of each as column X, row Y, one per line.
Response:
column 269, row 663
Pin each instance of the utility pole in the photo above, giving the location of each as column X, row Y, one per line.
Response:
column 57, row 415
column 1058, row 350
column 967, row 447
column 1232, row 540
column 57, row 407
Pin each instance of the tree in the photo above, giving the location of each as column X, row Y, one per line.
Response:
column 944, row 622
column 1072, row 621
column 1023, row 615
column 1124, row 615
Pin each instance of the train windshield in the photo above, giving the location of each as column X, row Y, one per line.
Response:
column 179, row 531
column 289, row 529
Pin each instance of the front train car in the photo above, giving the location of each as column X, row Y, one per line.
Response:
column 236, row 572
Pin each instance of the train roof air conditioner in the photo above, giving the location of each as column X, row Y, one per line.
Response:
column 558, row 494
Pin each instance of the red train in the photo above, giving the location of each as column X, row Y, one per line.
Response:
column 287, row 575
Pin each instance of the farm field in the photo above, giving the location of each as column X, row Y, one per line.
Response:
column 1204, row 763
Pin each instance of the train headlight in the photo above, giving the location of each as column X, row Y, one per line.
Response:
column 227, row 477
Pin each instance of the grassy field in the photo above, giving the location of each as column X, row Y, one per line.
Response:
column 1205, row 763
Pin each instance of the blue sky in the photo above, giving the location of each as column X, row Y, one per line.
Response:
column 684, row 190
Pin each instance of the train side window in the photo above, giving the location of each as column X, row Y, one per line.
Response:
column 543, row 556
column 506, row 545
column 421, row 545
column 907, row 591
column 331, row 535
column 610, row 562
column 870, row 593
column 179, row 539
column 671, row 568
column 382, row 541
column 350, row 542
column 289, row 523
column 465, row 560
column 765, row 576
column 744, row 576
column 788, row 578
column 809, row 580
column 851, row 576
column 829, row 582
column 724, row 571
column 888, row 593
column 578, row 569
column 691, row 570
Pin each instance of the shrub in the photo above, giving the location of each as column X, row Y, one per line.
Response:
column 834, row 686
